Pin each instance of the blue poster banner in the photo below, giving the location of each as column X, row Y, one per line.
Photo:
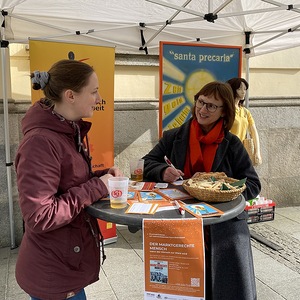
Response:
column 185, row 69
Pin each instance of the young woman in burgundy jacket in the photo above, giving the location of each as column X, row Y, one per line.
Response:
column 60, row 252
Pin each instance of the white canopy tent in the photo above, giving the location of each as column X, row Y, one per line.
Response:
column 271, row 25
column 137, row 26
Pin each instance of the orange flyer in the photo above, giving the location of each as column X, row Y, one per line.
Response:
column 174, row 262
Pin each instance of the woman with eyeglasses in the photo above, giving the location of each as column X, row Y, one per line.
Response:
column 244, row 122
column 204, row 144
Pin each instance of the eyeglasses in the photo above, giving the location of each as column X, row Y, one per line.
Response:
column 209, row 106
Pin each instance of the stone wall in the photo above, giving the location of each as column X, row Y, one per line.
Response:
column 136, row 132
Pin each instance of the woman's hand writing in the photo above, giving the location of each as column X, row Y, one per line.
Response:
column 171, row 174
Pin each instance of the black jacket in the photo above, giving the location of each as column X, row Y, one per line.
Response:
column 229, row 262
column 231, row 158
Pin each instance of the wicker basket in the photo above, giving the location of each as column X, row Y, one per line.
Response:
column 211, row 195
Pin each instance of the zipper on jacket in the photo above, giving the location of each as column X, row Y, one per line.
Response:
column 96, row 237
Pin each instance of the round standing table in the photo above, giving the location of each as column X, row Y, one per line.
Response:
column 102, row 210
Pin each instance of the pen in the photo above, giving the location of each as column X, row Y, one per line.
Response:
column 181, row 210
column 171, row 165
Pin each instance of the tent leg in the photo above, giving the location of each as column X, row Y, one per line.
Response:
column 247, row 79
column 4, row 46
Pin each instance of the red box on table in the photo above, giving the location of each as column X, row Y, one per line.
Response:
column 261, row 212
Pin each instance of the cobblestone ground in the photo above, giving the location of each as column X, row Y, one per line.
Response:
column 290, row 253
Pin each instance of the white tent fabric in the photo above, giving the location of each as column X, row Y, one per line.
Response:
column 273, row 25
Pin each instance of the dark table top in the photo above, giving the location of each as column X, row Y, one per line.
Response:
column 102, row 210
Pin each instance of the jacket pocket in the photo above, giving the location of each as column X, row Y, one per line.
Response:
column 75, row 251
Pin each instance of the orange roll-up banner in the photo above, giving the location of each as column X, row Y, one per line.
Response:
column 44, row 54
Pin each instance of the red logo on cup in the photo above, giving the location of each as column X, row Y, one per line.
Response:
column 138, row 171
column 116, row 193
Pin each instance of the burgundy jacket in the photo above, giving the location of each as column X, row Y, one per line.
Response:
column 59, row 254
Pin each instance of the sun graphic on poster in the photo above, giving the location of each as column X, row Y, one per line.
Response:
column 195, row 81
column 178, row 92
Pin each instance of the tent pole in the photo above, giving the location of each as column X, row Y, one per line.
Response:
column 169, row 21
column 4, row 46
column 247, row 79
column 247, row 56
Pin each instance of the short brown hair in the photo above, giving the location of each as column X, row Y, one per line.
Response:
column 221, row 91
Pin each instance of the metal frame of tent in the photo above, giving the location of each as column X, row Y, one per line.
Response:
column 212, row 16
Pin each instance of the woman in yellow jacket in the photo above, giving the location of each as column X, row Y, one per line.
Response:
column 244, row 121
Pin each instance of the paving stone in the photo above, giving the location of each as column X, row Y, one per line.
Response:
column 290, row 253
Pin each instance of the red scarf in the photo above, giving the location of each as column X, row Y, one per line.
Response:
column 202, row 148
